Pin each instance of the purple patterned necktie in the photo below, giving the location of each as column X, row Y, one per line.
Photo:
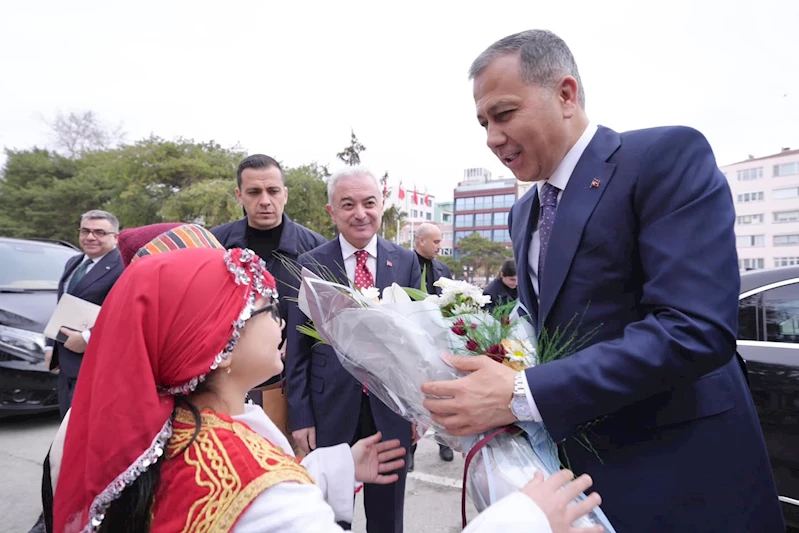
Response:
column 546, row 217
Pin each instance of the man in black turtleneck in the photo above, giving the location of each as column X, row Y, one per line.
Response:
column 266, row 230
column 427, row 245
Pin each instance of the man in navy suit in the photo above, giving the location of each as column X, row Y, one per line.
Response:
column 632, row 235
column 327, row 405
column 88, row 276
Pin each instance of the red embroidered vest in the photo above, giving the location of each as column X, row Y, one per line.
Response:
column 207, row 486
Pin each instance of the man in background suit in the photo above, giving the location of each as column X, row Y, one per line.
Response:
column 427, row 246
column 327, row 405
column 632, row 236
column 266, row 230
column 88, row 276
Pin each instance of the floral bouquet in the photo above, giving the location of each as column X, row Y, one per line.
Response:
column 395, row 344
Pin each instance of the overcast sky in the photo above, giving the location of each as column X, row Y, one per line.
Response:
column 290, row 79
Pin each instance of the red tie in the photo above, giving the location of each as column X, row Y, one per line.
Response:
column 363, row 276
column 363, row 279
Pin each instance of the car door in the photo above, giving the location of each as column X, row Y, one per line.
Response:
column 768, row 339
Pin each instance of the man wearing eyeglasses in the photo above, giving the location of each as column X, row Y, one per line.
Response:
column 88, row 276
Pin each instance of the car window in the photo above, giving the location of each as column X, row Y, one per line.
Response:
column 781, row 309
column 749, row 319
column 32, row 265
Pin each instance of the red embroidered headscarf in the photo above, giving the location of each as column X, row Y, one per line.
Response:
column 167, row 322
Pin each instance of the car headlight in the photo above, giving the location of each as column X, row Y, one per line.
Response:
column 24, row 344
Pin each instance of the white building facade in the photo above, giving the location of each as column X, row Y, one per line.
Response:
column 766, row 195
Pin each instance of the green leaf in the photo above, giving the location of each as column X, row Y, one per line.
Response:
column 311, row 332
column 415, row 294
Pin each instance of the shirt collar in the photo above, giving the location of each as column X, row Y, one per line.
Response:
column 348, row 250
column 560, row 178
column 95, row 261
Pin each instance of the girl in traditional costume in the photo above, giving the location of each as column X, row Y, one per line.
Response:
column 161, row 440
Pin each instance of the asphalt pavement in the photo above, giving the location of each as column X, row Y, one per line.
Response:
column 432, row 497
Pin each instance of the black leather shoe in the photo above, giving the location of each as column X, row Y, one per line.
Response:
column 445, row 453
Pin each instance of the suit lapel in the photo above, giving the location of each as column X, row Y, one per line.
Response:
column 99, row 270
column 528, row 220
column 335, row 263
column 585, row 188
column 385, row 265
column 70, row 267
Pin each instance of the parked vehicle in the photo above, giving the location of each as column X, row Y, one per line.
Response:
column 768, row 340
column 29, row 274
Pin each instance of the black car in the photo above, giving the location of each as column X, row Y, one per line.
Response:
column 29, row 274
column 768, row 340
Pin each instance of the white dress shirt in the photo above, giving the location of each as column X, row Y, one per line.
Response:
column 559, row 179
column 350, row 261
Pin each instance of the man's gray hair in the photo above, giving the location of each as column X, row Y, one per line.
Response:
column 99, row 214
column 544, row 59
column 348, row 172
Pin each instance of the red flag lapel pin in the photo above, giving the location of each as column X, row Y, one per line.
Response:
column 594, row 183
column 389, row 264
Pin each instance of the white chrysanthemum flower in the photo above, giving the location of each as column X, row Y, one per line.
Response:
column 372, row 293
column 462, row 309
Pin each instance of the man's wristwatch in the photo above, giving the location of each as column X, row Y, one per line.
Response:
column 519, row 405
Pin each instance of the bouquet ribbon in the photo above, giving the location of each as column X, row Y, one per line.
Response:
column 469, row 456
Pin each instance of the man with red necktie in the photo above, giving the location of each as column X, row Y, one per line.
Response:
column 327, row 405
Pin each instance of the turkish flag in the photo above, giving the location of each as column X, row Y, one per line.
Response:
column 427, row 200
column 415, row 196
column 401, row 193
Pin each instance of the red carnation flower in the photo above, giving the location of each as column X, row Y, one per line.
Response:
column 471, row 345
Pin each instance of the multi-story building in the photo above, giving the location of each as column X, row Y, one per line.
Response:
column 482, row 206
column 444, row 212
column 766, row 195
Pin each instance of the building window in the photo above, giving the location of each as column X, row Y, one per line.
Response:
column 750, row 174
column 786, row 169
column 429, row 216
column 501, row 235
column 446, row 217
column 445, row 251
column 748, row 241
column 749, row 219
column 464, row 221
column 504, row 200
column 460, row 235
column 785, row 261
column 482, row 219
column 447, row 236
column 751, row 197
column 464, row 204
column 786, row 240
column 482, row 202
column 501, row 219
column 786, row 216
column 781, row 194
column 484, row 233
column 751, row 264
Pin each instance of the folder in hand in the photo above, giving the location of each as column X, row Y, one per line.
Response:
column 71, row 313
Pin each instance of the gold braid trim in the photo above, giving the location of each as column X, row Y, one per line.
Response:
column 225, row 522
column 225, row 496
